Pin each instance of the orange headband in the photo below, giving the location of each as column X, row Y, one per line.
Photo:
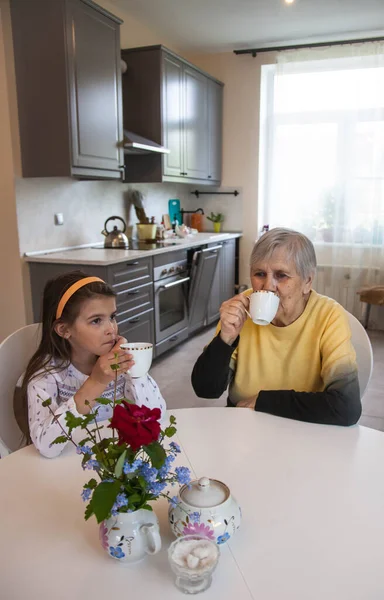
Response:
column 71, row 290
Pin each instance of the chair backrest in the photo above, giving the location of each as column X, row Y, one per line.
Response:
column 363, row 349
column 15, row 352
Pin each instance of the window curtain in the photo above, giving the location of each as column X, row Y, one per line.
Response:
column 322, row 162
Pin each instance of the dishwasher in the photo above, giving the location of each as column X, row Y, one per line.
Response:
column 202, row 266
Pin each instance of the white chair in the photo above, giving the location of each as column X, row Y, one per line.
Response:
column 363, row 349
column 15, row 352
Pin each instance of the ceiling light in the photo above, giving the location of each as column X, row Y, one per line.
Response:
column 289, row 1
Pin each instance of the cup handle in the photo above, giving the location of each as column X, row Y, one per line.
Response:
column 153, row 538
column 248, row 313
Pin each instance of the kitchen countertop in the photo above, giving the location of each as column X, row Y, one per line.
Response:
column 107, row 256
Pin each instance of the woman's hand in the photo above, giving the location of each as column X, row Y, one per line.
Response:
column 233, row 316
column 249, row 403
column 103, row 373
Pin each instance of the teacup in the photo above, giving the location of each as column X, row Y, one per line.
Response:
column 263, row 306
column 142, row 355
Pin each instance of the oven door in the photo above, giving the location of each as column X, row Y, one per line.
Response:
column 171, row 309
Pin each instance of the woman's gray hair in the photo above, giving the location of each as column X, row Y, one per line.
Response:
column 299, row 249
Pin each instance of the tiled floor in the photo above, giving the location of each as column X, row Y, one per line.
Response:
column 173, row 374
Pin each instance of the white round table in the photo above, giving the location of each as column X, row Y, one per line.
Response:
column 312, row 498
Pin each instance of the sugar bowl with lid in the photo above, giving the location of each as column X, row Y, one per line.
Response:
column 205, row 507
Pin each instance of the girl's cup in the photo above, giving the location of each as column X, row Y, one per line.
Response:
column 142, row 355
column 263, row 306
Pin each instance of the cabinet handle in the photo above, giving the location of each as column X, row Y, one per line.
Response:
column 135, row 320
column 133, row 293
column 132, row 264
column 174, row 338
column 183, row 173
column 209, row 176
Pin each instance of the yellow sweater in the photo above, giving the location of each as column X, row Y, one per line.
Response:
column 306, row 356
column 305, row 371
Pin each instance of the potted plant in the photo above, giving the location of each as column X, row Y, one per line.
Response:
column 133, row 465
column 217, row 219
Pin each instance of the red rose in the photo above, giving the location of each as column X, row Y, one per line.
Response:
column 136, row 425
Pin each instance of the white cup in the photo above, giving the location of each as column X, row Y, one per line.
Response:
column 263, row 307
column 142, row 355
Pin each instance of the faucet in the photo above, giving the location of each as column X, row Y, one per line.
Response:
column 183, row 212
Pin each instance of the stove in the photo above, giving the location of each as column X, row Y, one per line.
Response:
column 139, row 245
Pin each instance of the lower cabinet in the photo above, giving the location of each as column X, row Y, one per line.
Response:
column 139, row 328
column 223, row 286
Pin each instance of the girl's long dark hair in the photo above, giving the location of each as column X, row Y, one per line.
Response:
column 52, row 345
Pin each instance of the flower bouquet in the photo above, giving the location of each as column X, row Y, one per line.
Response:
column 134, row 467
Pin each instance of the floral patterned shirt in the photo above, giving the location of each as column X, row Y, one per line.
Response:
column 61, row 387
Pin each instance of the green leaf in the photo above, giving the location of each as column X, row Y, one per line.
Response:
column 103, row 499
column 172, row 420
column 156, row 453
column 62, row 439
column 47, row 402
column 120, row 464
column 115, row 367
column 126, row 400
column 133, row 498
column 147, row 507
column 103, row 401
column 72, row 421
column 92, row 483
column 84, row 441
column 170, row 431
column 88, row 511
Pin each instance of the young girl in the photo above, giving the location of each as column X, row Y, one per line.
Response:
column 72, row 364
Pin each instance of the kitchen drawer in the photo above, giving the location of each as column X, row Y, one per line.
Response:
column 139, row 328
column 172, row 341
column 130, row 274
column 134, row 300
column 169, row 257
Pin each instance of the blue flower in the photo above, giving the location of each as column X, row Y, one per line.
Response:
column 149, row 473
column 91, row 464
column 121, row 500
column 86, row 494
column 175, row 447
column 116, row 552
column 83, row 450
column 183, row 475
column 164, row 470
column 131, row 468
column 223, row 538
column 156, row 487
column 195, row 517
column 109, row 480
column 174, row 501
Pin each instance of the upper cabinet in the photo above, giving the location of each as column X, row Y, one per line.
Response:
column 168, row 100
column 68, row 75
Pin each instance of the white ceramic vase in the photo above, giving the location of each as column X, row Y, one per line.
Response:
column 129, row 537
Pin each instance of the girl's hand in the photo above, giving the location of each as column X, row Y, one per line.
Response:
column 233, row 316
column 103, row 373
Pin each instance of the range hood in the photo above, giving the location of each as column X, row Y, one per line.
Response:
column 136, row 144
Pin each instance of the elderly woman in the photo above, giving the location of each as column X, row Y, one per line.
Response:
column 302, row 365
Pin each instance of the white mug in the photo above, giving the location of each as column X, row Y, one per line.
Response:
column 263, row 306
column 142, row 355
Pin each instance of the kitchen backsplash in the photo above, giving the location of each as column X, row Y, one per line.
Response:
column 87, row 204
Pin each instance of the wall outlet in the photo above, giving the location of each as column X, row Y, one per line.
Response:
column 59, row 219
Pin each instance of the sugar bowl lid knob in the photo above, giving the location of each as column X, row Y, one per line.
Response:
column 204, row 483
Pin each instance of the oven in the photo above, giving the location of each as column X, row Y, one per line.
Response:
column 171, row 285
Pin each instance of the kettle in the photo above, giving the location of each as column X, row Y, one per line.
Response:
column 115, row 238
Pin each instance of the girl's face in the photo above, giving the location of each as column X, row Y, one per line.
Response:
column 95, row 329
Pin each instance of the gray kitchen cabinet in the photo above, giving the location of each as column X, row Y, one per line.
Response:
column 223, row 286
column 68, row 75
column 195, row 86
column 132, row 281
column 215, row 130
column 169, row 101
column 173, row 116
